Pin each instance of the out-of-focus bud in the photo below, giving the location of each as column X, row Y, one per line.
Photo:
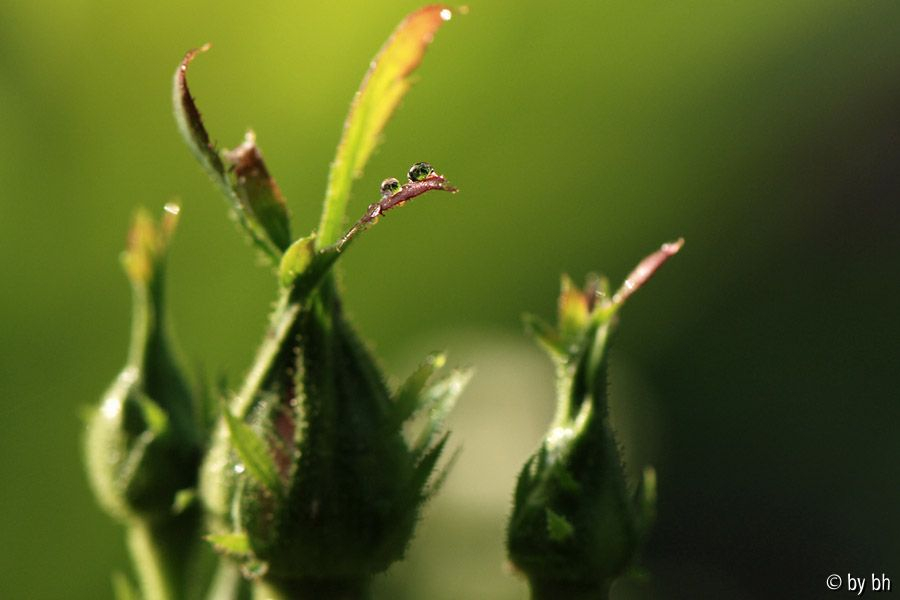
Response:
column 310, row 480
column 575, row 526
column 142, row 444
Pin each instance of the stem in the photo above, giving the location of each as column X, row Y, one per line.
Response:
column 311, row 589
column 568, row 590
column 283, row 319
column 162, row 553
column 227, row 581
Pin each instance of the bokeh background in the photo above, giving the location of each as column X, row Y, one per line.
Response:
column 758, row 371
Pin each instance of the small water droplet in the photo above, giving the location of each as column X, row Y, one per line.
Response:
column 172, row 208
column 239, row 468
column 389, row 187
column 446, row 14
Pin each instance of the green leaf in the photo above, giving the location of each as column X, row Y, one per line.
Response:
column 545, row 335
column 296, row 260
column 123, row 589
column 439, row 400
column 155, row 417
column 382, row 88
column 304, row 270
column 426, row 465
column 253, row 452
column 184, row 499
column 441, row 478
column 258, row 192
column 249, row 200
column 234, row 544
column 407, row 400
column 558, row 527
column 148, row 243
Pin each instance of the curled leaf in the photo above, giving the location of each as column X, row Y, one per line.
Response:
column 383, row 86
column 253, row 196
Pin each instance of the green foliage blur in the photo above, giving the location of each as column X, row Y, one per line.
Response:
column 758, row 371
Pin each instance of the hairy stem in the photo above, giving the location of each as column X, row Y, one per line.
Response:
column 163, row 554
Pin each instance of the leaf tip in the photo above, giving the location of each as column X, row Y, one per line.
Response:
column 645, row 270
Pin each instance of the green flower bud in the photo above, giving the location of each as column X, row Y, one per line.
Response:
column 575, row 526
column 309, row 478
column 420, row 171
column 142, row 445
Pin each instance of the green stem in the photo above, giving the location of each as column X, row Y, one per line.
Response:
column 227, row 582
column 568, row 590
column 162, row 555
column 282, row 320
column 311, row 589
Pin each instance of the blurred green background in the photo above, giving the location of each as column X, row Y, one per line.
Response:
column 758, row 371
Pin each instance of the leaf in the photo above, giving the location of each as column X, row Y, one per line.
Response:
column 426, row 465
column 306, row 280
column 645, row 270
column 258, row 192
column 123, row 589
column 296, row 260
column 382, row 88
column 148, row 242
column 253, row 452
column 154, row 416
column 407, row 398
column 545, row 335
column 268, row 232
column 184, row 499
column 234, row 544
column 441, row 478
column 407, row 192
column 439, row 400
column 573, row 310
column 558, row 527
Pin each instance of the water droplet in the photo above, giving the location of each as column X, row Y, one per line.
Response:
column 446, row 14
column 172, row 208
column 390, row 186
column 420, row 171
column 239, row 468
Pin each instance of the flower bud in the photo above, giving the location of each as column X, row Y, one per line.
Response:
column 575, row 527
column 142, row 444
column 309, row 476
